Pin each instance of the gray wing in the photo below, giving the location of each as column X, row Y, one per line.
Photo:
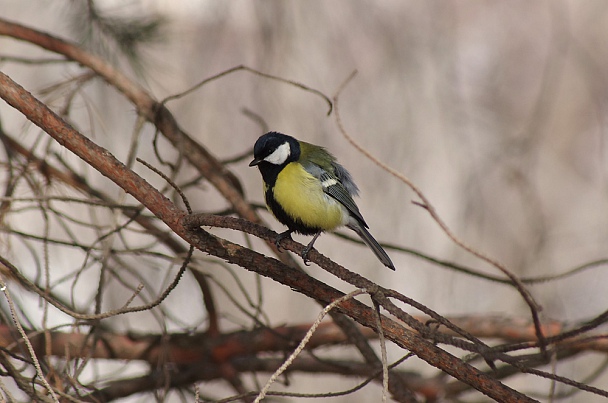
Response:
column 338, row 185
column 346, row 179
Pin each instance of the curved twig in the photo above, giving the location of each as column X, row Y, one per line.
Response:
column 426, row 204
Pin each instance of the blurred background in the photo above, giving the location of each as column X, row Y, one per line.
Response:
column 496, row 110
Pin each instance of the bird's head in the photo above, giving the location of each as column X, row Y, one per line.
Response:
column 275, row 148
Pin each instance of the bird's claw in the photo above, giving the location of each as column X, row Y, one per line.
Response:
column 280, row 237
column 305, row 253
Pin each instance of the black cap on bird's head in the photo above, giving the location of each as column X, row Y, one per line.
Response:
column 275, row 148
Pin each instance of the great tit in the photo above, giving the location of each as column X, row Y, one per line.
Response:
column 308, row 191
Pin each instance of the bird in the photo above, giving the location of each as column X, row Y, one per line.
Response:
column 307, row 190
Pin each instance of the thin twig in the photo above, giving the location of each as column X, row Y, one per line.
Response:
column 383, row 351
column 304, row 341
column 255, row 72
column 26, row 340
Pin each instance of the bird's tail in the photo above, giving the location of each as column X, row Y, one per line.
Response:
column 372, row 243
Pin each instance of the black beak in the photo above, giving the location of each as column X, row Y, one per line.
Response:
column 255, row 162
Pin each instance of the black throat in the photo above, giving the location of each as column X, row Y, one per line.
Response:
column 270, row 172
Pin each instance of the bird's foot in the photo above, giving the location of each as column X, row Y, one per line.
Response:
column 280, row 237
column 308, row 248
column 305, row 253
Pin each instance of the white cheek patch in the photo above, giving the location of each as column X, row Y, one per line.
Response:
column 280, row 155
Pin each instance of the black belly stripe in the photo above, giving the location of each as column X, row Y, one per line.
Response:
column 292, row 223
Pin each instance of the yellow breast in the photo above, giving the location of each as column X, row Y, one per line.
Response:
column 302, row 197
